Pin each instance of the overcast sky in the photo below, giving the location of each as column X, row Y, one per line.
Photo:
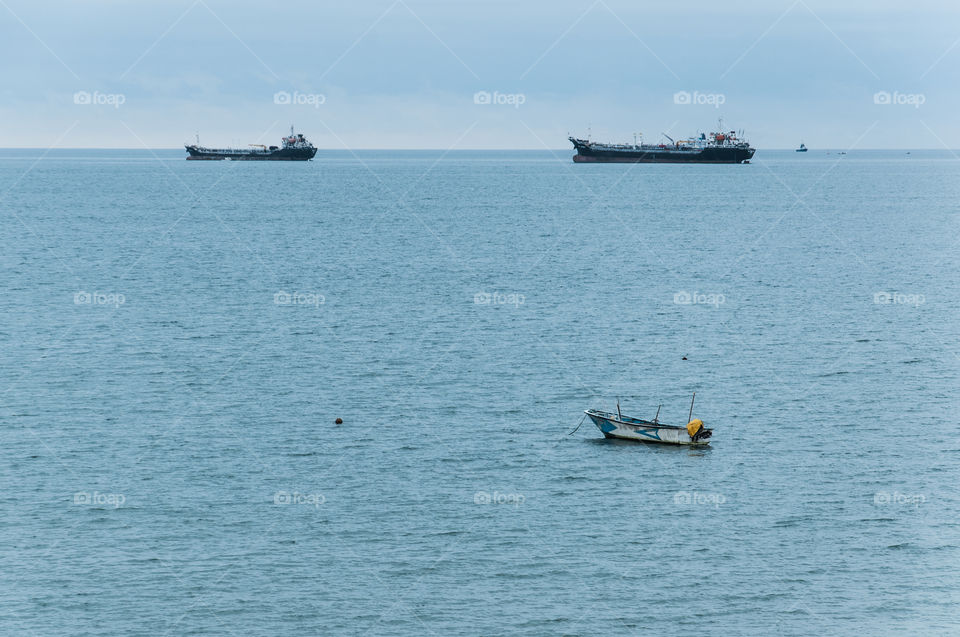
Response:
column 406, row 73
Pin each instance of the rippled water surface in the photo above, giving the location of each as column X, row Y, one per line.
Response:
column 178, row 339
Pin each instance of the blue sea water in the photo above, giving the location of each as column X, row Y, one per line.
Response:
column 178, row 339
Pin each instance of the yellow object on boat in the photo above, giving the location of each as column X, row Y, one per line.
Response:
column 694, row 426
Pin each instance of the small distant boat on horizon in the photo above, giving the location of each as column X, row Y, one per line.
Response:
column 803, row 148
column 624, row 427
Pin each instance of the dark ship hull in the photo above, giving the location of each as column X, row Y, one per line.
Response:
column 279, row 154
column 706, row 156
column 690, row 153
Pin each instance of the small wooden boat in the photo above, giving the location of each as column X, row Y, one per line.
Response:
column 620, row 426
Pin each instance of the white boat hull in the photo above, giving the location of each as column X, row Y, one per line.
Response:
column 613, row 427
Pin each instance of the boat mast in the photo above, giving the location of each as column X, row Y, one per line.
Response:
column 690, row 415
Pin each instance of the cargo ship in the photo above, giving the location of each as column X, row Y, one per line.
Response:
column 715, row 148
column 292, row 148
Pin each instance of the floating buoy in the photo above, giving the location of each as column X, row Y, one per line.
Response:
column 684, row 358
column 338, row 421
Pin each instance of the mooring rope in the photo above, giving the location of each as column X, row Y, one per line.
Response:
column 578, row 425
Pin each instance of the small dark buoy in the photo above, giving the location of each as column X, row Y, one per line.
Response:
column 338, row 421
column 684, row 358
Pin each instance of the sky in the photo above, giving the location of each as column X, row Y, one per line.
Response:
column 472, row 74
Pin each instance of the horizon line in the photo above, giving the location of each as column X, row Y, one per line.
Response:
column 448, row 150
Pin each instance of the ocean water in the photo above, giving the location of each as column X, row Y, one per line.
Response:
column 179, row 337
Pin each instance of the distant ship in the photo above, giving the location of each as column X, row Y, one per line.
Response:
column 294, row 148
column 803, row 148
column 717, row 148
